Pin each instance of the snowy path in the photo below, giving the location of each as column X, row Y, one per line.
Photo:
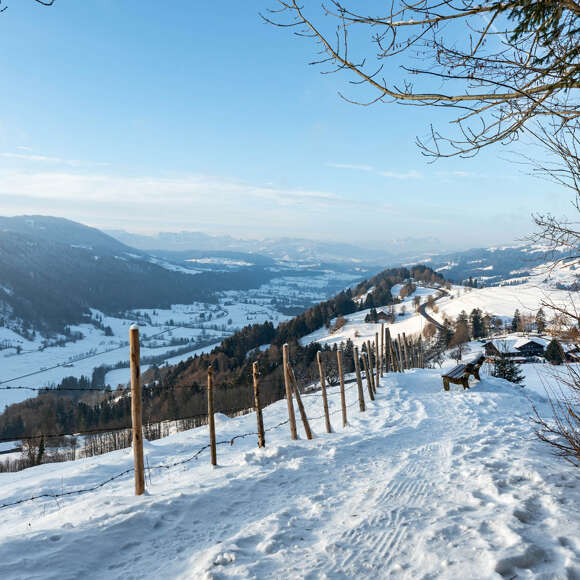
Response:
column 425, row 484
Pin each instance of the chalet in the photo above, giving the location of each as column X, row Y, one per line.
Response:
column 384, row 317
column 571, row 352
column 520, row 348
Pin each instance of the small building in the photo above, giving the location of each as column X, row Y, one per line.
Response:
column 384, row 317
column 571, row 352
column 521, row 348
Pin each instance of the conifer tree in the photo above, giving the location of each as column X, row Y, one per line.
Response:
column 516, row 321
column 553, row 353
column 508, row 369
column 476, row 319
column 540, row 321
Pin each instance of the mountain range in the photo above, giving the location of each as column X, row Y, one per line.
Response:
column 53, row 270
column 280, row 249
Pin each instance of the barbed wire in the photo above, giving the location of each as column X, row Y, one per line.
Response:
column 193, row 457
column 245, row 410
column 149, row 425
column 66, row 493
column 268, row 380
column 101, row 484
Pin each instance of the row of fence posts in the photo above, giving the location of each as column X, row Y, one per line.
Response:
column 390, row 355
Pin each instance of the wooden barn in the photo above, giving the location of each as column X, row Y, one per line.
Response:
column 521, row 348
column 384, row 317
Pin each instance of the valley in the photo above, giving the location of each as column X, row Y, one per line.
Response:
column 168, row 335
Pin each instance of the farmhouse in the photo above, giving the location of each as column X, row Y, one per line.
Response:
column 384, row 317
column 521, row 348
column 571, row 352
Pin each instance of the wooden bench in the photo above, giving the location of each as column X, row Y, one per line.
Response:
column 459, row 375
column 474, row 365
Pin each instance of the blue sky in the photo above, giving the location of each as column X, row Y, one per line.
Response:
column 151, row 116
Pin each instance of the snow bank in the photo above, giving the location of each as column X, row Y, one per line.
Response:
column 424, row 484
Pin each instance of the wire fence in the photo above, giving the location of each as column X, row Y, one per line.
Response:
column 163, row 466
column 401, row 358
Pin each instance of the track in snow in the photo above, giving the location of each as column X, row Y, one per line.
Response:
column 425, row 484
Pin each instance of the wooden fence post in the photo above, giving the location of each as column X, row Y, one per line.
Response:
column 382, row 347
column 136, row 410
column 401, row 352
column 361, row 395
column 403, row 340
column 369, row 375
column 324, row 399
column 377, row 360
column 371, row 368
column 342, row 393
column 210, row 415
column 398, row 355
column 403, row 355
column 389, row 350
column 291, row 416
column 300, row 405
column 408, row 351
column 258, row 407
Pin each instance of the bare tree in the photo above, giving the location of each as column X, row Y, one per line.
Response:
column 429, row 331
column 562, row 430
column 416, row 302
column 504, row 67
column 42, row 2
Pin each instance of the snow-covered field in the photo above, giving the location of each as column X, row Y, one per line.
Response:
column 502, row 301
column 424, row 484
column 201, row 325
column 359, row 331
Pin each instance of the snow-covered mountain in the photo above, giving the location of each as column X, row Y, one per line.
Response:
column 492, row 266
column 286, row 249
column 53, row 271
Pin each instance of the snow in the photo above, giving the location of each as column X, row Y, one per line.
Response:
column 447, row 266
column 220, row 261
column 424, row 484
column 46, row 366
column 173, row 267
column 357, row 330
column 504, row 300
column 512, row 342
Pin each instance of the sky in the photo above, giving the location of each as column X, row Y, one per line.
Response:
column 199, row 116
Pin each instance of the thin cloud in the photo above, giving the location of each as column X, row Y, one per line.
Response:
column 185, row 201
column 350, row 166
column 412, row 174
column 401, row 176
column 458, row 174
column 49, row 159
column 203, row 189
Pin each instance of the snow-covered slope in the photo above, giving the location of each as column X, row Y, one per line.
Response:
column 502, row 301
column 494, row 265
column 424, row 484
column 356, row 329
